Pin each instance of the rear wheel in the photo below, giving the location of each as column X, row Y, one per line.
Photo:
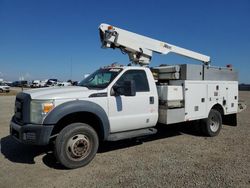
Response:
column 76, row 145
column 211, row 126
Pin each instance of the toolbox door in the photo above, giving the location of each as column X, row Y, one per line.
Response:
column 195, row 100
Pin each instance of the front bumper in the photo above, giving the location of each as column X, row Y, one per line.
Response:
column 31, row 133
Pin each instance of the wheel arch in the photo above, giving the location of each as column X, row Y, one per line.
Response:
column 219, row 108
column 79, row 111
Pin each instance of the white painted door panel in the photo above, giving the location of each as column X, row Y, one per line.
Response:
column 134, row 112
column 129, row 113
column 232, row 98
column 195, row 100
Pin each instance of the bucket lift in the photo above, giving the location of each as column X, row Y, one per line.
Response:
column 140, row 48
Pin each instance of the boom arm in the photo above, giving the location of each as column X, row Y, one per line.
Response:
column 140, row 48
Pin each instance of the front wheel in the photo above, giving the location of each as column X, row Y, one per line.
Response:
column 76, row 145
column 211, row 126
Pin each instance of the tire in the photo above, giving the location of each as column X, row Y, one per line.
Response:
column 76, row 145
column 1, row 91
column 211, row 126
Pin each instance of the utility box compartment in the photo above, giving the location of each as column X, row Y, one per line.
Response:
column 191, row 72
column 170, row 96
column 170, row 93
column 167, row 72
column 195, row 100
column 232, row 98
column 201, row 96
column 195, row 72
column 221, row 74
column 170, row 116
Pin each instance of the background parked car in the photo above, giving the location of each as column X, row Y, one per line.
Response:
column 73, row 83
column 23, row 83
column 36, row 83
column 64, row 84
column 51, row 82
column 4, row 88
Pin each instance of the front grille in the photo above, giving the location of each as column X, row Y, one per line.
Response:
column 22, row 107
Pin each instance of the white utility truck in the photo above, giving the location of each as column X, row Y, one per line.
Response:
column 121, row 102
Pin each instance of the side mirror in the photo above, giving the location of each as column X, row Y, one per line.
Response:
column 127, row 89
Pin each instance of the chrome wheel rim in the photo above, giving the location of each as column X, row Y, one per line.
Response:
column 214, row 123
column 78, row 147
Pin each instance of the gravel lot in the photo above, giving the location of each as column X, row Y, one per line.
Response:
column 176, row 157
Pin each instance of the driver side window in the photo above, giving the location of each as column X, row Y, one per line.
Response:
column 139, row 77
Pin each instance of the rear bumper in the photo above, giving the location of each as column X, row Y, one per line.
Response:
column 31, row 133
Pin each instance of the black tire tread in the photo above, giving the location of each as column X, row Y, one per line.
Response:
column 205, row 124
column 60, row 141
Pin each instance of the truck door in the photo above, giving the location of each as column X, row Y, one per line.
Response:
column 133, row 112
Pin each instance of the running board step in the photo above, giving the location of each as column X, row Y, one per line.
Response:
column 131, row 134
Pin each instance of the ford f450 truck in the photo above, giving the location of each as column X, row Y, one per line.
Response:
column 119, row 102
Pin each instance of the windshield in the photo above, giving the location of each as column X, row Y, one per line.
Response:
column 101, row 78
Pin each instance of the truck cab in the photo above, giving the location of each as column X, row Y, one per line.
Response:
column 112, row 100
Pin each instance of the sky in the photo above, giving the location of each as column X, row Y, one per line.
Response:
column 41, row 39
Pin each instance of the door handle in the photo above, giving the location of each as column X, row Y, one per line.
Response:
column 151, row 100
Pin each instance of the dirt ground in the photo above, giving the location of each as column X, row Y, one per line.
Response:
column 10, row 93
column 177, row 156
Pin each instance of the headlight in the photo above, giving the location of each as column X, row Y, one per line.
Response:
column 39, row 109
